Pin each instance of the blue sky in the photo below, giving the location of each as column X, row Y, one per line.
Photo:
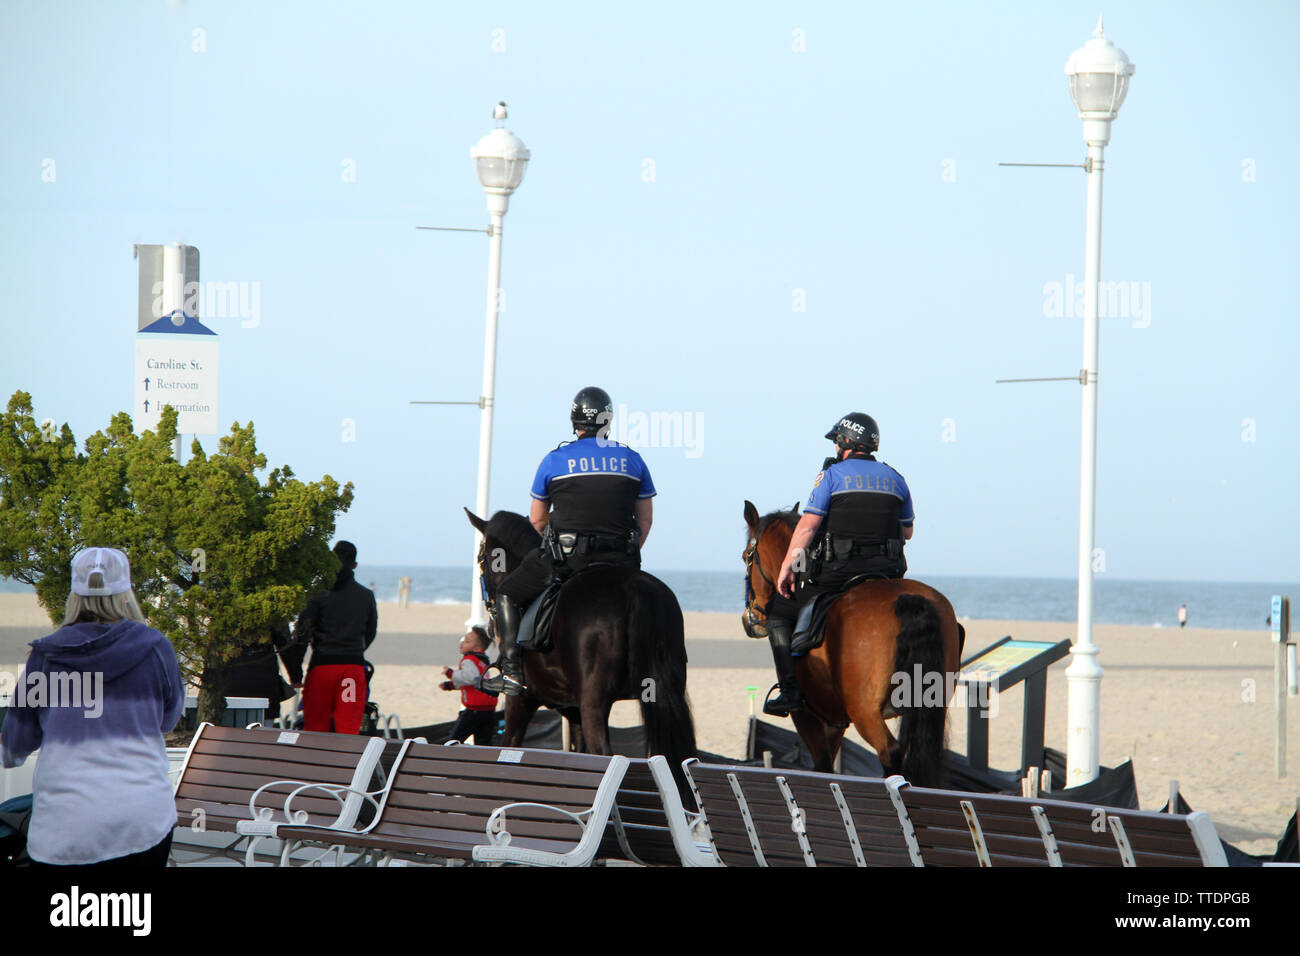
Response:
column 826, row 171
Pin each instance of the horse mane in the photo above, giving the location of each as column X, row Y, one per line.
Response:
column 515, row 532
column 790, row 518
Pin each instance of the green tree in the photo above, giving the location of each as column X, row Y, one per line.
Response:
column 220, row 559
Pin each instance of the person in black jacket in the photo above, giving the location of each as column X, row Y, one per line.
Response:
column 340, row 624
column 256, row 671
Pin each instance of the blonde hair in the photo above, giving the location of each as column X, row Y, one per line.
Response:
column 106, row 610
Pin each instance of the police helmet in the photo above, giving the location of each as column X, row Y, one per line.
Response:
column 592, row 410
column 856, row 431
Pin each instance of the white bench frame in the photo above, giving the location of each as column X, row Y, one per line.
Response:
column 500, row 850
column 263, row 821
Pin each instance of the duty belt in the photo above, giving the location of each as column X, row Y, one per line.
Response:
column 581, row 543
column 844, row 549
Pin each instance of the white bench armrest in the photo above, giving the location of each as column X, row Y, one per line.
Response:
column 265, row 816
column 496, row 825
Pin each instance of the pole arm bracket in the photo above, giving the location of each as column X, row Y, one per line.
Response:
column 1086, row 165
column 481, row 402
column 1083, row 378
column 490, row 230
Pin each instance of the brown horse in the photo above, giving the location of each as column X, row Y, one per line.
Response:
column 883, row 638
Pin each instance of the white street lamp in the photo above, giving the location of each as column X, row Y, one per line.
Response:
column 1099, row 75
column 500, row 159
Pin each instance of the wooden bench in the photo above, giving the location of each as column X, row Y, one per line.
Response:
column 1105, row 836
column 953, row 828
column 748, row 815
column 649, row 824
column 466, row 804
column 970, row 829
column 763, row 817
column 246, row 782
column 853, row 821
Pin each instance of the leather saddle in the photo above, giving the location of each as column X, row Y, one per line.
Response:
column 810, row 626
column 535, row 625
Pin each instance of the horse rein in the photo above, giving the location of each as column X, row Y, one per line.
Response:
column 753, row 627
column 489, row 602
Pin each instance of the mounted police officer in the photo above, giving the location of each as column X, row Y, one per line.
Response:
column 854, row 524
column 592, row 505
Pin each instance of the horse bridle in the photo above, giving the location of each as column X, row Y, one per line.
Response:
column 489, row 602
column 753, row 627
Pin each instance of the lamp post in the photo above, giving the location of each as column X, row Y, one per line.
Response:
column 1098, row 75
column 500, row 159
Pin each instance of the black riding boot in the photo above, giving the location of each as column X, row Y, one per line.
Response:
column 511, row 679
column 778, row 634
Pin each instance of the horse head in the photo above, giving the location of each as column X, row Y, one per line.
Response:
column 765, row 548
column 508, row 538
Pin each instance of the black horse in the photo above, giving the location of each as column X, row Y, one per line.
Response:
column 617, row 635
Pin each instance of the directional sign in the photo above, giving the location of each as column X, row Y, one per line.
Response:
column 176, row 365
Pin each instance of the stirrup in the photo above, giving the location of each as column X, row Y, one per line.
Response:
column 503, row 683
column 781, row 706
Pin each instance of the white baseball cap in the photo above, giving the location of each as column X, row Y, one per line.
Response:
column 109, row 562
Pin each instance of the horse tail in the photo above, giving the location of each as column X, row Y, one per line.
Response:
column 656, row 641
column 919, row 652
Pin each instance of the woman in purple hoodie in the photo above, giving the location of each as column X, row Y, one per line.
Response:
column 96, row 697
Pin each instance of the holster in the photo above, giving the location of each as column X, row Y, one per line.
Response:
column 816, row 557
column 552, row 545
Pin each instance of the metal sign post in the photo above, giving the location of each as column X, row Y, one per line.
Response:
column 1280, row 623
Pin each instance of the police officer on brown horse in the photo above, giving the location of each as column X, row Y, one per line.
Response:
column 854, row 524
column 592, row 505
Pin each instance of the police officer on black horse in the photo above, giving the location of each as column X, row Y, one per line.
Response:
column 592, row 505
column 854, row 524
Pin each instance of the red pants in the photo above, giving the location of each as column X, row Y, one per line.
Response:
column 334, row 698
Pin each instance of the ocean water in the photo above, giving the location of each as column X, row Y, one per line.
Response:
column 1219, row 604
column 1143, row 603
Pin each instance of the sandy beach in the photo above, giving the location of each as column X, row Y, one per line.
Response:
column 1193, row 705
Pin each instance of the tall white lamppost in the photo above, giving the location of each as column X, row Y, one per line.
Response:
column 1099, row 75
column 500, row 159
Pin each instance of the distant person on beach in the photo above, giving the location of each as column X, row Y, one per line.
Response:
column 863, row 510
column 403, row 592
column 1182, row 615
column 340, row 624
column 109, row 689
column 591, row 505
column 479, row 716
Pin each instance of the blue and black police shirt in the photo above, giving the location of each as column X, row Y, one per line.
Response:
column 593, row 485
column 862, row 498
